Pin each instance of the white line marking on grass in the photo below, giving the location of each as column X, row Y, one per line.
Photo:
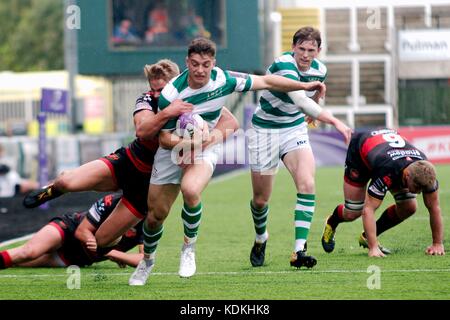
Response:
column 12, row 241
column 228, row 273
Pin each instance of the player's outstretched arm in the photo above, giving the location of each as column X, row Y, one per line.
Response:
column 327, row 117
column 283, row 84
column 431, row 201
column 125, row 259
column 314, row 110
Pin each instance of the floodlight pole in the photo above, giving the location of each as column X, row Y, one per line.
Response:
column 71, row 62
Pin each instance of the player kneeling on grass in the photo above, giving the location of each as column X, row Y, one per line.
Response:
column 391, row 164
column 69, row 240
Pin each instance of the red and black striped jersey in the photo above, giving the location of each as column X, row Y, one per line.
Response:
column 142, row 152
column 102, row 208
column 75, row 251
column 96, row 214
column 386, row 154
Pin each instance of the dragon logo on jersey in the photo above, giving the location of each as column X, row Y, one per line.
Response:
column 108, row 200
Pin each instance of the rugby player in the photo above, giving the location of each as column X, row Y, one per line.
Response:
column 207, row 87
column 280, row 132
column 128, row 168
column 385, row 161
column 69, row 240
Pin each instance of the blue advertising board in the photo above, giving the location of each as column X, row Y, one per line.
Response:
column 54, row 100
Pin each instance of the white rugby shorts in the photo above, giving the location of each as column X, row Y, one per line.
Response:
column 267, row 146
column 167, row 171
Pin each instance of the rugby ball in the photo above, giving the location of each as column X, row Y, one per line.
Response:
column 186, row 124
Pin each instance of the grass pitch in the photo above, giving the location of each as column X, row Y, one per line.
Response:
column 225, row 239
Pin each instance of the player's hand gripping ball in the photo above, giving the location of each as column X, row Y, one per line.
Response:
column 187, row 123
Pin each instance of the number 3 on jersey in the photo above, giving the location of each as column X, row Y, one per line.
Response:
column 395, row 140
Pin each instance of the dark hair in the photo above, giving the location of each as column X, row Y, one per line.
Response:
column 307, row 34
column 202, row 46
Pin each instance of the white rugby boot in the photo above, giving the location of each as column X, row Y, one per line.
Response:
column 142, row 272
column 187, row 261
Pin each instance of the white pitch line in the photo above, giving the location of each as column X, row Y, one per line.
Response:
column 228, row 273
column 12, row 241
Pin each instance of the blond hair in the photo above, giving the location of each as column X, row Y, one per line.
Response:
column 423, row 174
column 163, row 69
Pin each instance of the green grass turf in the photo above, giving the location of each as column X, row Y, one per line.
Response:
column 225, row 239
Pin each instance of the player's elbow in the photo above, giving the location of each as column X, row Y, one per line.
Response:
column 139, row 133
column 434, row 209
column 145, row 133
column 233, row 125
column 79, row 234
column 306, row 104
column 82, row 233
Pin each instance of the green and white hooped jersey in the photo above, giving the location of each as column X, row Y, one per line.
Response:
column 275, row 109
column 208, row 100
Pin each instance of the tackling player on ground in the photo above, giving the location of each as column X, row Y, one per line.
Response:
column 128, row 168
column 69, row 240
